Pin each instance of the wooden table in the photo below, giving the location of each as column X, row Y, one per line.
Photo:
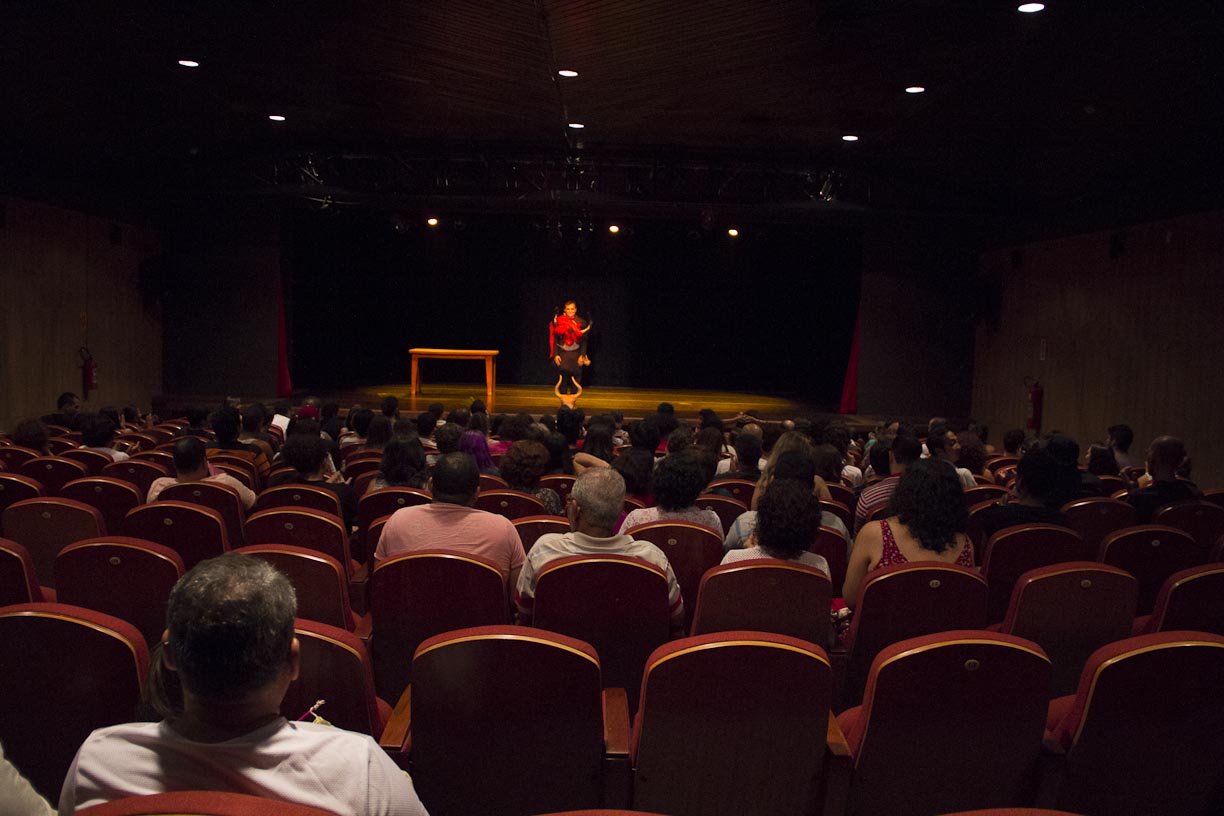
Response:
column 488, row 355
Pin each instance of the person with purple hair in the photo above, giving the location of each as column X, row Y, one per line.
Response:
column 475, row 444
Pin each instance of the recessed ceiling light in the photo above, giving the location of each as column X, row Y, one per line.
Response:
column 189, row 63
column 733, row 232
column 577, row 125
column 566, row 72
column 915, row 89
column 613, row 228
column 849, row 137
column 276, row 117
column 1030, row 8
column 431, row 221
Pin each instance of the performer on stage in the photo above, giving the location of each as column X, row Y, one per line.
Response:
column 567, row 348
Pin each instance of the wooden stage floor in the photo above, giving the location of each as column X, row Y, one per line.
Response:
column 539, row 399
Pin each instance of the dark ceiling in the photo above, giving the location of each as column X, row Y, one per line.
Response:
column 1086, row 111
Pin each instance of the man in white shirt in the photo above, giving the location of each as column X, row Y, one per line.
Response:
column 230, row 644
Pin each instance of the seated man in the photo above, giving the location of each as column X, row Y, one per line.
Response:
column 306, row 453
column 450, row 522
column 227, row 425
column 1165, row 456
column 191, row 465
column 594, row 508
column 1041, row 480
column 98, row 435
column 230, row 647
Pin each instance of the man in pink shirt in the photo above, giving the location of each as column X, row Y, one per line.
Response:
column 191, row 465
column 450, row 522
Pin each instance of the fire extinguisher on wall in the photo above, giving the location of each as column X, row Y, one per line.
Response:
column 1036, row 397
column 89, row 373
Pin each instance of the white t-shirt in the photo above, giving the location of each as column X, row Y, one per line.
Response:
column 694, row 514
column 304, row 763
column 751, row 553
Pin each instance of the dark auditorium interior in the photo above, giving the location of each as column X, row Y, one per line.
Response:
column 837, row 208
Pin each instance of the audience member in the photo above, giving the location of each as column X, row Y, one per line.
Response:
column 793, row 465
column 905, row 450
column 227, row 424
column 67, row 412
column 1165, row 456
column 787, row 522
column 32, row 434
column 230, row 653
column 1075, row 484
column 191, row 465
column 678, row 481
column 973, row 456
column 746, row 460
column 522, row 466
column 306, row 454
column 1119, row 440
column 1101, row 461
column 98, row 434
column 389, row 407
column 402, row 465
column 254, row 430
column 1040, row 481
column 1012, row 440
column 476, row 445
column 943, row 444
column 636, row 466
column 593, row 508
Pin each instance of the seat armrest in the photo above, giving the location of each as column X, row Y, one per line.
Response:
column 397, row 736
column 365, row 628
column 1051, row 769
column 839, row 765
column 617, row 772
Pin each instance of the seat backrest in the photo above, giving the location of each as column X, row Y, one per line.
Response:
column 319, row 580
column 200, row 803
column 237, row 459
column 112, row 497
column 60, row 444
column 335, row 668
column 384, row 502
column 139, row 472
column 195, row 532
column 906, row 601
column 129, row 578
column 976, row 530
column 978, row 696
column 732, row 723
column 417, row 595
column 1191, row 599
column 1071, row 610
column 93, row 460
column 830, row 544
column 66, row 671
column 728, row 509
column 616, row 603
column 46, row 525
column 842, row 511
column 980, row 493
column 299, row 497
column 53, row 472
column 1151, row 553
column 559, row 483
column 15, row 488
column 1097, row 517
column 1013, row 551
column 357, row 466
column 841, row 493
column 691, row 549
column 301, row 527
column 220, row 497
column 765, row 595
column 18, row 580
column 161, row 457
column 13, row 456
column 530, row 528
column 490, row 482
column 1203, row 521
column 740, row 489
column 512, row 504
column 1145, row 732
column 539, row 753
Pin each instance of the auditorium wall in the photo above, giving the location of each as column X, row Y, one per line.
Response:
column 1130, row 325
column 69, row 279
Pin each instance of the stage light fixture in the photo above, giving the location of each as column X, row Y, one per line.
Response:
column 1030, row 8
column 276, row 117
column 186, row 63
column 850, row 137
column 566, row 72
column 733, row 232
column 915, row 89
column 431, row 221
column 577, row 125
column 613, row 228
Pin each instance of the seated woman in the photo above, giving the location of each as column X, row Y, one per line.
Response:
column 973, row 455
column 403, row 465
column 636, row 467
column 597, row 446
column 678, row 481
column 523, row 465
column 476, row 445
column 926, row 522
column 791, row 440
column 793, row 465
column 787, row 521
column 32, row 434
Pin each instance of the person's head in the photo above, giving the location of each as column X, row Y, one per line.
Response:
column 30, row 433
column 478, row 407
column 680, row 439
column 748, row 451
column 936, row 422
column 459, row 416
column 569, row 423
column 455, row 479
column 558, row 450
column 679, row 480
column 379, row 431
column 478, row 421
column 1041, row 477
column 942, row 444
column 838, row 435
column 599, row 441
column 229, row 630
column 1012, row 440
column 304, row 453
column 636, row 467
column 1063, row 448
column 436, row 408
column 403, row 463
column 68, row 404
column 930, row 502
column 303, row 427
column 711, row 440
column 708, row 419
column 1121, row 437
column 253, row 417
column 1101, row 461
column 389, row 407
column 771, row 432
column 878, row 455
column 644, row 434
column 226, row 423
column 426, row 422
column 789, row 441
column 666, row 418
column 130, row 414
column 514, row 427
column 190, row 459
column 329, row 410
column 359, row 421
column 475, row 444
column 596, row 501
column 906, row 449
column 404, row 430
column 446, row 438
column 97, row 431
column 972, row 452
column 570, row 309
column 1165, row 456
column 788, row 519
column 798, row 465
column 828, row 463
column 111, row 413
column 524, row 463
column 195, row 416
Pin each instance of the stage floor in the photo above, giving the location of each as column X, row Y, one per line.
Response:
column 539, row 399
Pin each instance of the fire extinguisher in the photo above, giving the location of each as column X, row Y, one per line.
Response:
column 1036, row 396
column 89, row 372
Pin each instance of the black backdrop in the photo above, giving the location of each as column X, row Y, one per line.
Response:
column 673, row 305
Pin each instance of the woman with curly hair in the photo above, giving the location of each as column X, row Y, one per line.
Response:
column 523, row 465
column 403, row 465
column 926, row 522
